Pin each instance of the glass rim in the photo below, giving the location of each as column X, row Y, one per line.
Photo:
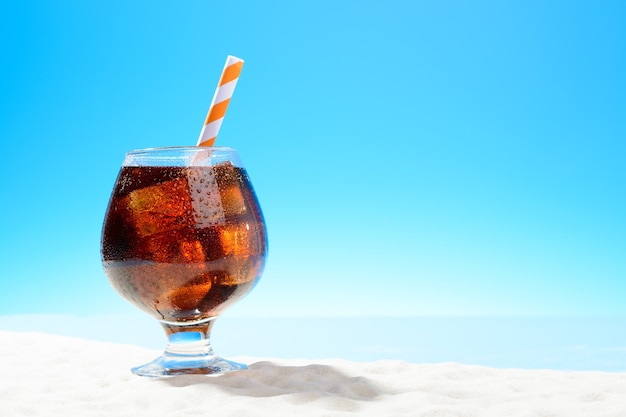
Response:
column 182, row 156
column 180, row 148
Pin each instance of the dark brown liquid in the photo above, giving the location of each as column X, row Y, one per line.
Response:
column 183, row 243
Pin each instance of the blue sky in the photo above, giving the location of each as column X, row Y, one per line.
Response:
column 411, row 157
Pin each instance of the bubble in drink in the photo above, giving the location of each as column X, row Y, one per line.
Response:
column 183, row 243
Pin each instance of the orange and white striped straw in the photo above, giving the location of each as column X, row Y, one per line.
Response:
column 221, row 99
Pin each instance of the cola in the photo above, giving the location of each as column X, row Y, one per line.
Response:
column 183, row 243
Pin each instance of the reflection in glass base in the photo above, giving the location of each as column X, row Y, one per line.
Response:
column 188, row 352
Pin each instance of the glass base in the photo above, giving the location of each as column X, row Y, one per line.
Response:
column 188, row 352
column 168, row 365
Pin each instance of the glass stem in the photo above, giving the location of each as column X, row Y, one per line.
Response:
column 189, row 340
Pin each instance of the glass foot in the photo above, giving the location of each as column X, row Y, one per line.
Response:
column 168, row 365
column 188, row 352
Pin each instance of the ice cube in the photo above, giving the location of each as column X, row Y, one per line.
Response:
column 232, row 201
column 211, row 244
column 240, row 270
column 160, row 208
column 230, row 183
column 174, row 246
column 189, row 296
column 237, row 239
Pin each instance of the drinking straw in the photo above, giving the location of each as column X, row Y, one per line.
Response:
column 221, row 99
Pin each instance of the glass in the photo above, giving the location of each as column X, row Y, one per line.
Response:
column 183, row 239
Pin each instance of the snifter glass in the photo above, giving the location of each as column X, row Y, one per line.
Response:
column 183, row 239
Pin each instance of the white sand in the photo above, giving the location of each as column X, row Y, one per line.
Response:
column 46, row 375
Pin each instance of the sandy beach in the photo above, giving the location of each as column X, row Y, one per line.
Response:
column 49, row 375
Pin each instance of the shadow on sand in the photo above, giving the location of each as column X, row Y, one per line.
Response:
column 267, row 379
